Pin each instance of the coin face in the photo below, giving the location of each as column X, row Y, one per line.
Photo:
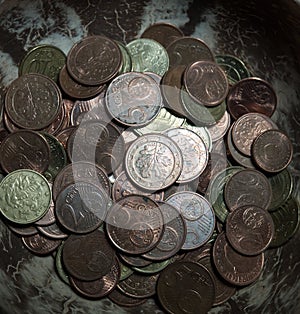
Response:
column 272, row 151
column 33, row 101
column 94, row 60
column 153, row 162
column 40, row 245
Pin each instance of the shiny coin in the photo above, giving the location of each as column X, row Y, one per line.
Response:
column 40, row 245
column 219, row 129
column 153, row 162
column 33, row 101
column 94, row 60
column 25, row 196
column 249, row 229
column 120, row 298
column 272, row 151
column 52, row 231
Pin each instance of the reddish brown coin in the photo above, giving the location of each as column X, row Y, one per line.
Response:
column 120, row 298
column 64, row 135
column 40, row 245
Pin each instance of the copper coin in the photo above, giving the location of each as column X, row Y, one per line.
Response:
column 22, row 230
column 88, row 257
column 186, row 287
column 120, row 298
column 247, row 187
column 57, row 123
column 237, row 269
column 10, row 126
column 99, row 288
column 24, row 149
column 206, row 83
column 53, row 231
column 272, row 151
column 251, row 95
column 3, row 134
column 249, row 229
column 134, row 224
column 68, row 106
column 186, row 50
column 40, row 245
column 94, row 60
column 33, row 101
column 164, row 33
column 64, row 134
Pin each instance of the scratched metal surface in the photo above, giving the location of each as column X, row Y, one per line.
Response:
column 263, row 33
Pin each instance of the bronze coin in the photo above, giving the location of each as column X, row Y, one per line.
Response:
column 53, row 231
column 247, row 187
column 235, row 268
column 64, row 134
column 186, row 287
column 88, row 257
column 251, row 95
column 249, row 229
column 57, row 123
column 206, row 83
column 22, row 230
column 272, row 151
column 40, row 245
column 120, row 298
column 68, row 106
column 135, row 224
column 24, row 149
column 10, row 126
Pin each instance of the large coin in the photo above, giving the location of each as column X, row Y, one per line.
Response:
column 153, row 162
column 33, row 101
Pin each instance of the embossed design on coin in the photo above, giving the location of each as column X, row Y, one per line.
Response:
column 40, row 245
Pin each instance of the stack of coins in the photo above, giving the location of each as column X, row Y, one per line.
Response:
column 148, row 170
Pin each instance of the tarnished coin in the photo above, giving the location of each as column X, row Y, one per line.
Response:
column 24, row 149
column 249, row 229
column 9, row 125
column 187, row 50
column 40, row 245
column 126, row 271
column 53, row 231
column 22, row 230
column 219, row 129
column 94, row 60
column 133, row 99
column 198, row 215
column 237, row 269
column 33, row 101
column 120, row 298
column 164, row 33
column 272, row 151
column 25, row 196
column 206, row 83
column 186, row 287
column 247, row 187
column 135, row 224
column 148, row 55
column 251, row 95
column 88, row 257
column 194, row 153
column 153, row 162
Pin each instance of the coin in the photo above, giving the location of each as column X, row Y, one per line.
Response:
column 202, row 132
column 154, row 267
column 194, row 153
column 219, row 129
column 153, row 162
column 58, row 123
column 186, row 287
column 126, row 271
column 94, row 60
column 53, row 231
column 126, row 58
column 148, row 55
column 26, row 230
column 24, row 149
column 198, row 215
column 179, row 187
column 64, row 134
column 251, row 95
column 133, row 99
column 247, row 187
column 206, row 83
column 134, row 260
column 25, row 196
column 235, row 268
column 40, row 100
column 59, row 267
column 249, row 229
column 9, row 125
column 186, row 50
column 88, row 257
column 120, row 298
column 164, row 33
column 272, row 151
column 40, row 245
column 134, row 224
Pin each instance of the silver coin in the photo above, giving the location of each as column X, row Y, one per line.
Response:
column 153, row 162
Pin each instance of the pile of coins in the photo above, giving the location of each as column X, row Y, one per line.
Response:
column 151, row 169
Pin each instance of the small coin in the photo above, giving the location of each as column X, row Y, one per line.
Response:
column 272, row 151
column 33, row 101
column 40, row 245
column 251, row 95
column 59, row 123
column 64, row 135
column 186, row 287
column 235, row 268
column 52, row 231
column 134, row 224
column 247, row 187
column 249, row 229
column 148, row 55
column 25, row 196
column 219, row 129
column 25, row 230
column 153, row 162
column 88, row 257
column 198, row 215
column 120, row 298
column 24, row 149
column 94, row 60
column 126, row 58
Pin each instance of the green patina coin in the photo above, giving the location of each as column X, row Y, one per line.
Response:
column 126, row 64
column 125, row 271
column 43, row 59
column 25, row 196
column 58, row 157
column 154, row 267
column 59, row 266
column 148, row 55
